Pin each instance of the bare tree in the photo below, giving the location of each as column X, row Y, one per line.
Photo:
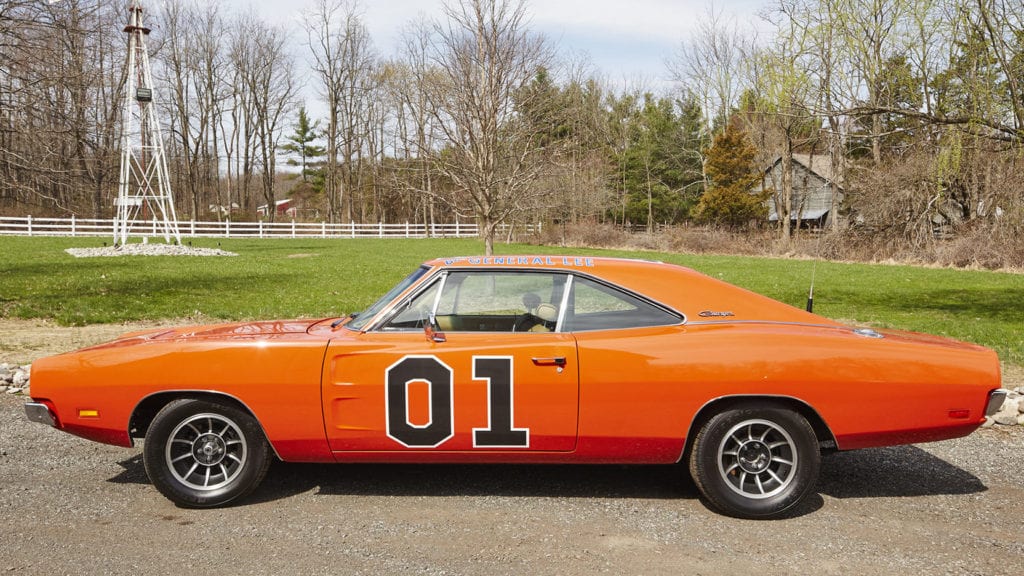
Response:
column 710, row 64
column 244, row 57
column 870, row 31
column 238, row 127
column 193, row 69
column 272, row 85
column 484, row 55
column 816, row 22
column 411, row 87
column 784, row 90
column 1001, row 22
column 343, row 61
column 59, row 83
column 580, row 163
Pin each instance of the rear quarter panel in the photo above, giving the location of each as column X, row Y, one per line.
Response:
column 651, row 383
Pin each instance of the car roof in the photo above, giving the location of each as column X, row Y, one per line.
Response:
column 694, row 294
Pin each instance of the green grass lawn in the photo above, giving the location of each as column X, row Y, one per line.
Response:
column 314, row 278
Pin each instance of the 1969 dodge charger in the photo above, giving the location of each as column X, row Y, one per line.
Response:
column 524, row 359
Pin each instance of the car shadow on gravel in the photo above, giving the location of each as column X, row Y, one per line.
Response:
column 900, row 471
column 897, row 471
column 134, row 471
column 576, row 481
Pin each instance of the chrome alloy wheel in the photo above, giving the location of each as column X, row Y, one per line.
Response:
column 757, row 459
column 206, row 452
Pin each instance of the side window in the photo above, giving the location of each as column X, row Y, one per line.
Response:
column 596, row 306
column 486, row 301
column 413, row 315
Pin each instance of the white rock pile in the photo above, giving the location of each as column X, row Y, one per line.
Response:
column 147, row 249
column 1012, row 412
column 14, row 379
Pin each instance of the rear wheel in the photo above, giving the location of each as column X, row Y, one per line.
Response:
column 202, row 454
column 755, row 462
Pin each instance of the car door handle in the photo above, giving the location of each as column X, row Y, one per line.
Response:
column 556, row 361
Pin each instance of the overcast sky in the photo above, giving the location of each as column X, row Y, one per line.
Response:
column 626, row 40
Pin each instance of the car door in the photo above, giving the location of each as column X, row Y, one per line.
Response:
column 494, row 377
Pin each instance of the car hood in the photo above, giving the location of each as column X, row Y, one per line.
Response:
column 225, row 332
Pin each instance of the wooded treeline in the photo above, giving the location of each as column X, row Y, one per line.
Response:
column 917, row 104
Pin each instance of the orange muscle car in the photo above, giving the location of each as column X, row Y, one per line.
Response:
column 524, row 359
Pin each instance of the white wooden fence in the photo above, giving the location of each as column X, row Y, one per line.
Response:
column 81, row 227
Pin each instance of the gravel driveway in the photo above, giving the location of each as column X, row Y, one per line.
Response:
column 69, row 506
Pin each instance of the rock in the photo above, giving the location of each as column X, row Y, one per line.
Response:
column 1020, row 419
column 13, row 390
column 20, row 379
column 989, row 422
column 1006, row 419
column 3, row 388
column 1008, row 412
column 147, row 250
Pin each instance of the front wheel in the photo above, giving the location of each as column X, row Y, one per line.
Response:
column 755, row 462
column 202, row 454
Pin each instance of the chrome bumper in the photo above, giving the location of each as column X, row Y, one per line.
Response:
column 37, row 412
column 995, row 401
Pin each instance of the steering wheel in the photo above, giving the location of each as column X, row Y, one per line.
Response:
column 525, row 322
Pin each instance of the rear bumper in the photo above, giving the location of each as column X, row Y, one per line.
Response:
column 37, row 412
column 995, row 401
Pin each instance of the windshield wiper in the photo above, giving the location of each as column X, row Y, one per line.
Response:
column 340, row 320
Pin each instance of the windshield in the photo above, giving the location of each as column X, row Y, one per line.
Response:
column 360, row 319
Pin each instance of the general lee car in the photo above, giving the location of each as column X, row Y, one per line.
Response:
column 524, row 359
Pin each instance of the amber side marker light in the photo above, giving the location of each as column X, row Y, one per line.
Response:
column 85, row 413
column 959, row 414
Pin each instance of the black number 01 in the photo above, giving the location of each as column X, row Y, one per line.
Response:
column 496, row 370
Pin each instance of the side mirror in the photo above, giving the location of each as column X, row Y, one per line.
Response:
column 433, row 331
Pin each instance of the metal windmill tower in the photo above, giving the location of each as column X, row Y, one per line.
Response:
column 144, row 190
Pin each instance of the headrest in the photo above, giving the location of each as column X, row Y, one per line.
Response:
column 547, row 312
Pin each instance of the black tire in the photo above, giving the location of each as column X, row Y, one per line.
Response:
column 755, row 463
column 203, row 454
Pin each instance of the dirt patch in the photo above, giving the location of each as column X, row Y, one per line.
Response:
column 1013, row 376
column 24, row 341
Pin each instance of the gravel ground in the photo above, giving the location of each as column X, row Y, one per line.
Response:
column 69, row 506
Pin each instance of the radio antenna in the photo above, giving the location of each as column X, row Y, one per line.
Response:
column 810, row 295
column 814, row 271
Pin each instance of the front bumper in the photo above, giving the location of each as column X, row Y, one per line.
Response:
column 37, row 412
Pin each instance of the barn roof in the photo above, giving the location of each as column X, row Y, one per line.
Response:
column 819, row 164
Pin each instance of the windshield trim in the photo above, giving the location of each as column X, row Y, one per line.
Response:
column 363, row 319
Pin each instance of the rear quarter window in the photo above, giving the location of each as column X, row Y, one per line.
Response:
column 597, row 306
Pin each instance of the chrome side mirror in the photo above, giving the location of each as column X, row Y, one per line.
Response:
column 433, row 331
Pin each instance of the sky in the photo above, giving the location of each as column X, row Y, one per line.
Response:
column 627, row 41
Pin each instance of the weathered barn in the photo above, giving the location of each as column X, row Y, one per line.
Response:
column 812, row 191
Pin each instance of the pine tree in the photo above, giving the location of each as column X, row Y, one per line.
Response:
column 731, row 169
column 300, row 143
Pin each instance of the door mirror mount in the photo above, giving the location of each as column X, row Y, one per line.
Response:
column 433, row 331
